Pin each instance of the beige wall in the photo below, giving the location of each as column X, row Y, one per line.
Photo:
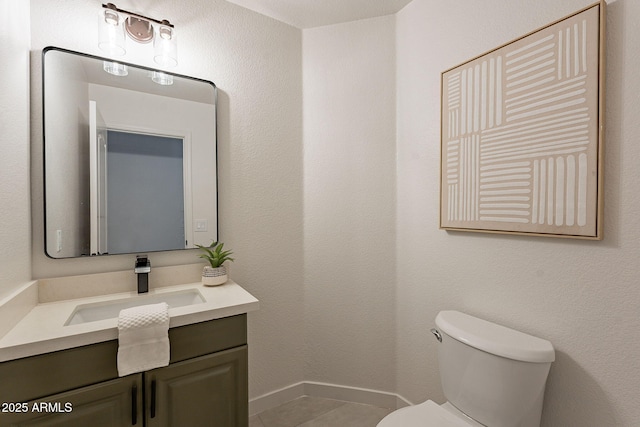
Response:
column 15, row 243
column 256, row 63
column 582, row 296
column 349, row 199
column 68, row 119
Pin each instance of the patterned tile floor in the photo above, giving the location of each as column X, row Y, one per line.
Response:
column 318, row 412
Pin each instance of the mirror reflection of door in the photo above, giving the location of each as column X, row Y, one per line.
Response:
column 102, row 242
column 145, row 193
column 97, row 181
column 139, row 191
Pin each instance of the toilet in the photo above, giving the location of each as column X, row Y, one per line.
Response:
column 491, row 375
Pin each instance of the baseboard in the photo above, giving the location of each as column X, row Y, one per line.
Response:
column 328, row 391
column 275, row 398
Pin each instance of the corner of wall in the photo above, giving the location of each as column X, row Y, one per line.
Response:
column 15, row 215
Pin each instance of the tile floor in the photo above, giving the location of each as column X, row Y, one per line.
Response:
column 319, row 412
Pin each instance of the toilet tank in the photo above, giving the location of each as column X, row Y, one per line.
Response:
column 493, row 374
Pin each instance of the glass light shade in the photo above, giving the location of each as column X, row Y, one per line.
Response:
column 115, row 68
column 111, row 37
column 162, row 78
column 165, row 46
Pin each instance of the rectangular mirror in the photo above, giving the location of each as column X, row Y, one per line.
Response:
column 130, row 162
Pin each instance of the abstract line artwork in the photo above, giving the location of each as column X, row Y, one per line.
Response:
column 522, row 134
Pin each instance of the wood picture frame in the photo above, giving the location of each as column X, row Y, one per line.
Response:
column 523, row 131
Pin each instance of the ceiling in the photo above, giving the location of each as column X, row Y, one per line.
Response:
column 316, row 13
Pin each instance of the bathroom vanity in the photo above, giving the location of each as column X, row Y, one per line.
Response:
column 59, row 337
column 205, row 383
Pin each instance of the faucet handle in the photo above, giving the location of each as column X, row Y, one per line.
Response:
column 143, row 265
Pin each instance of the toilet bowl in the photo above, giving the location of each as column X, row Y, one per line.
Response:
column 491, row 375
column 428, row 414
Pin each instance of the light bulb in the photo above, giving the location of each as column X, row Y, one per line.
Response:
column 115, row 68
column 161, row 78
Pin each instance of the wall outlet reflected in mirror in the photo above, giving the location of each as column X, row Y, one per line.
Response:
column 201, row 225
column 59, row 240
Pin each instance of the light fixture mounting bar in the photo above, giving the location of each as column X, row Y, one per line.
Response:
column 112, row 6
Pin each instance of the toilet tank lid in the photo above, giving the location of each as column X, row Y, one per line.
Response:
column 495, row 339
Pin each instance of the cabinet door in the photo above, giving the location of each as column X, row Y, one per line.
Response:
column 113, row 403
column 207, row 391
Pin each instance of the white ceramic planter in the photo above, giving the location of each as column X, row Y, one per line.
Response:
column 214, row 276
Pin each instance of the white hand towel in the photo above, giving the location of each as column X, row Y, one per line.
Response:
column 143, row 338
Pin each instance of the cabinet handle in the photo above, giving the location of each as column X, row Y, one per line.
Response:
column 134, row 405
column 153, row 399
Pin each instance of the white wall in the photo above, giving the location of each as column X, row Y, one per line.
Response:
column 256, row 63
column 327, row 310
column 582, row 296
column 15, row 215
column 68, row 118
column 349, row 198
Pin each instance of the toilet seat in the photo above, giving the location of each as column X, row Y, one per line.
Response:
column 427, row 414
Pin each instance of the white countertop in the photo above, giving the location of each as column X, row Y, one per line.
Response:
column 43, row 330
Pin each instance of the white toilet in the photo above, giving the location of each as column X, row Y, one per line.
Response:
column 491, row 375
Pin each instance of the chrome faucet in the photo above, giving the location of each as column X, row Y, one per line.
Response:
column 142, row 269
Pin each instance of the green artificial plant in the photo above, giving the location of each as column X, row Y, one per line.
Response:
column 214, row 254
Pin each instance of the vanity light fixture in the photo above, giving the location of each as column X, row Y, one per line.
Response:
column 114, row 23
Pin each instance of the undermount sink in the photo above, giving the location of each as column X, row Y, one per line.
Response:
column 93, row 312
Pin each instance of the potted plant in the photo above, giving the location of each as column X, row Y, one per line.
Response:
column 215, row 273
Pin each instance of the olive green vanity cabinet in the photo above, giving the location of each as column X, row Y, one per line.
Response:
column 105, row 404
column 205, row 384
column 200, row 392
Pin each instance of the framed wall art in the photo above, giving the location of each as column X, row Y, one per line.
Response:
column 522, row 134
